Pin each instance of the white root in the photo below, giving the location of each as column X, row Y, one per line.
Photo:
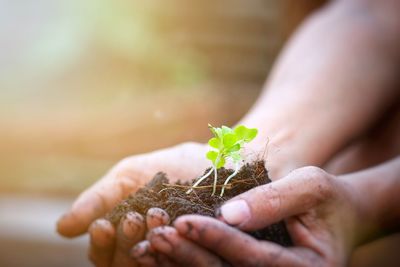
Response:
column 229, row 178
column 215, row 181
column 200, row 180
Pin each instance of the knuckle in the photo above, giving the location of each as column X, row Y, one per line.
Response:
column 312, row 173
column 321, row 183
column 123, row 176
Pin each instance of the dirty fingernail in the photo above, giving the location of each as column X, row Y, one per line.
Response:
column 156, row 217
column 139, row 250
column 235, row 212
column 101, row 233
column 131, row 225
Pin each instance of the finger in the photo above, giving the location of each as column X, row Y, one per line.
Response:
column 234, row 246
column 166, row 240
column 143, row 253
column 131, row 230
column 147, row 256
column 156, row 217
column 95, row 202
column 102, row 242
column 298, row 192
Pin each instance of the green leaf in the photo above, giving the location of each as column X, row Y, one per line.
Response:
column 226, row 130
column 215, row 142
column 228, row 143
column 221, row 163
column 245, row 134
column 218, row 132
column 229, row 140
column 212, row 155
column 234, row 148
column 251, row 134
column 240, row 132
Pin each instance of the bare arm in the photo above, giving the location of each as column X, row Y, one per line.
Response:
column 334, row 79
column 379, row 189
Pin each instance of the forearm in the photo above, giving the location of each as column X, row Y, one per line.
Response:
column 378, row 198
column 332, row 81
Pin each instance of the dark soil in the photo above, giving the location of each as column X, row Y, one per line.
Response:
column 174, row 200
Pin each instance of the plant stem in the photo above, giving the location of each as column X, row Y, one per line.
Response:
column 216, row 174
column 215, row 181
column 200, row 180
column 229, row 178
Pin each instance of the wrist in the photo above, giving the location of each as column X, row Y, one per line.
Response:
column 280, row 144
column 377, row 197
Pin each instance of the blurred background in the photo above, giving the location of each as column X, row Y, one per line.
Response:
column 85, row 83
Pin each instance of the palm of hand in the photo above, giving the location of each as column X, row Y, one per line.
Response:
column 109, row 246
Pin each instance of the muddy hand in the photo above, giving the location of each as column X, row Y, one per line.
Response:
column 111, row 247
column 125, row 178
column 322, row 218
column 164, row 241
column 102, row 242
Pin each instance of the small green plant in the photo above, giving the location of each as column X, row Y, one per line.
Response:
column 225, row 145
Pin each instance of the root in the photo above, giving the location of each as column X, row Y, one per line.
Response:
column 200, row 180
column 229, row 178
column 226, row 185
column 215, row 181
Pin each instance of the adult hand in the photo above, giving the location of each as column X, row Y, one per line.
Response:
column 322, row 213
column 110, row 246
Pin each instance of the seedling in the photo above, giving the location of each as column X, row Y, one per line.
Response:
column 226, row 145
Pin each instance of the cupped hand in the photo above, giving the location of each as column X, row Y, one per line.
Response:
column 322, row 216
column 108, row 245
column 183, row 161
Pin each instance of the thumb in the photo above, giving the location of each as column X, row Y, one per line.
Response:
column 294, row 194
column 94, row 203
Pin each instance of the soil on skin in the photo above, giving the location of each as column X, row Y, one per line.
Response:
column 174, row 200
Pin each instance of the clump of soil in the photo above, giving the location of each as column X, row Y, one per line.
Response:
column 174, row 200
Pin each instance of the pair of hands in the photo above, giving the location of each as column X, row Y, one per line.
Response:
column 320, row 209
column 310, row 119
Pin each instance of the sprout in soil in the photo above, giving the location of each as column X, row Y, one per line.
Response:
column 225, row 145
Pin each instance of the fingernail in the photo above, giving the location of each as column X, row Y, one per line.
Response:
column 129, row 229
column 102, row 233
column 159, row 239
column 138, row 251
column 131, row 225
column 141, row 249
column 235, row 212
